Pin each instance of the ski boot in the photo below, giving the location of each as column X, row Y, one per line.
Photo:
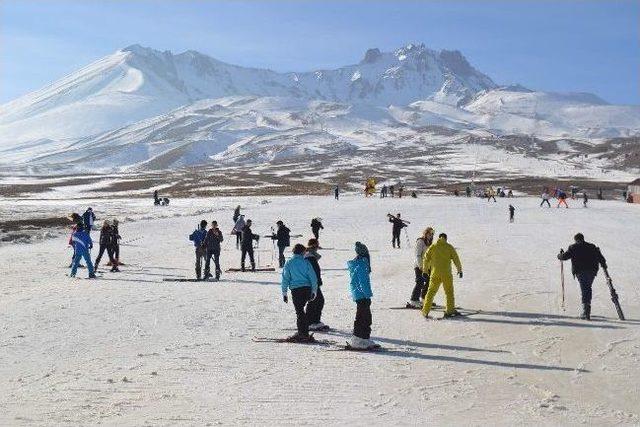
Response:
column 318, row 327
column 253, row 266
column 358, row 343
column 301, row 338
column 454, row 313
column 92, row 276
column 414, row 304
column 218, row 272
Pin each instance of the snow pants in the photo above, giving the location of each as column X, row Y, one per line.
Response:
column 545, row 201
column 314, row 308
column 101, row 252
column 562, row 202
column 207, row 263
column 200, row 254
column 79, row 254
column 362, row 324
column 395, row 237
column 446, row 280
column 420, row 288
column 316, row 233
column 281, row 258
column 243, row 256
column 585, row 279
column 300, row 297
column 238, row 239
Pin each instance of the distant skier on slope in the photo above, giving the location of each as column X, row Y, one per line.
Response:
column 398, row 225
column 237, row 228
column 316, row 226
column 82, row 244
column 283, row 238
column 422, row 277
column 360, row 287
column 512, row 213
column 438, row 260
column 197, row 237
column 298, row 275
column 212, row 242
column 585, row 260
column 246, row 246
column 336, row 192
column 315, row 306
column 585, row 199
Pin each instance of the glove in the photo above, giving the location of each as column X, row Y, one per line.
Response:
column 285, row 298
column 313, row 296
column 460, row 274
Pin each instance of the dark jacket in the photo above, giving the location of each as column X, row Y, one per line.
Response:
column 398, row 224
column 585, row 257
column 106, row 236
column 282, row 236
column 212, row 240
column 236, row 215
column 316, row 225
column 247, row 238
column 313, row 258
column 88, row 218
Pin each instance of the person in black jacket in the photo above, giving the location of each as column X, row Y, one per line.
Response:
column 212, row 249
column 585, row 261
column 246, row 245
column 314, row 307
column 283, row 238
column 106, row 243
column 398, row 225
column 316, row 226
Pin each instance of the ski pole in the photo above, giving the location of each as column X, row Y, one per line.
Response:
column 562, row 280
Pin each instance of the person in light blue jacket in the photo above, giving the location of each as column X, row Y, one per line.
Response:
column 299, row 276
column 360, row 286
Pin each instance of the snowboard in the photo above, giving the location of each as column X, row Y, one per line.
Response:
column 248, row 270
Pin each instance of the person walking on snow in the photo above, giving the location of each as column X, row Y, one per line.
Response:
column 585, row 199
column 105, row 241
column 82, row 243
column 212, row 242
column 314, row 307
column 360, row 287
column 115, row 243
column 246, row 246
column 88, row 218
column 77, row 224
column 398, row 225
column 336, row 192
column 197, row 237
column 422, row 277
column 438, row 260
column 238, row 227
column 316, row 226
column 562, row 199
column 283, row 238
column 512, row 212
column 585, row 260
column 545, row 199
column 298, row 275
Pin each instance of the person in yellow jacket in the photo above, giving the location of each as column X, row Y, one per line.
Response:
column 438, row 259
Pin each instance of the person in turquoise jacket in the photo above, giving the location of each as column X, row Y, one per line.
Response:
column 299, row 276
column 360, row 286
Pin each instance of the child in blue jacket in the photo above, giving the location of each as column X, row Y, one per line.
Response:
column 360, row 286
column 299, row 276
column 81, row 242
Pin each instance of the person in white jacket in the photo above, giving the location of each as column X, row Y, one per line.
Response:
column 420, row 288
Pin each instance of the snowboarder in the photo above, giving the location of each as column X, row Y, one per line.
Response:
column 336, row 192
column 316, row 226
column 283, row 238
column 238, row 227
column 512, row 212
column 105, row 241
column 82, row 244
column 562, row 199
column 298, row 275
column 360, row 287
column 545, row 199
column 212, row 242
column 422, row 278
column 197, row 237
column 585, row 199
column 398, row 225
column 585, row 260
column 315, row 306
column 246, row 245
column 88, row 218
column 438, row 260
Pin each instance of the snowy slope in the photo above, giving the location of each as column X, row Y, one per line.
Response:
column 131, row 349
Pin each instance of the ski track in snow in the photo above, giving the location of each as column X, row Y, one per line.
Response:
column 130, row 349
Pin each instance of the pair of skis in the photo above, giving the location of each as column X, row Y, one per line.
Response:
column 330, row 344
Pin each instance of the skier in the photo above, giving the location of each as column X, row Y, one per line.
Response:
column 545, row 199
column 360, row 287
column 422, row 278
column 562, row 199
column 316, row 226
column 88, row 218
column 315, row 306
column 512, row 212
column 283, row 238
column 383, row 192
column 298, row 275
column 400, row 190
column 585, row 259
column 197, row 237
column 106, row 235
column 336, row 192
column 438, row 260
column 397, row 227
column 81, row 243
column 468, row 191
column 585, row 199
column 238, row 227
column 77, row 224
column 391, row 190
column 246, row 245
column 491, row 194
column 212, row 242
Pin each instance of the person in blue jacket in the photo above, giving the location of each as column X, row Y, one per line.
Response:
column 81, row 242
column 360, row 286
column 197, row 237
column 299, row 276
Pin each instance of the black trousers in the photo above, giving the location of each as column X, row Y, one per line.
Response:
column 300, row 297
column 585, row 279
column 207, row 263
column 314, row 308
column 101, row 252
column 238, row 238
column 316, row 233
column 199, row 256
column 362, row 324
column 395, row 238
column 245, row 252
column 545, row 201
column 116, row 252
column 421, row 286
column 281, row 259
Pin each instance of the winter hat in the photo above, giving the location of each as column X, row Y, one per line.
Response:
column 363, row 252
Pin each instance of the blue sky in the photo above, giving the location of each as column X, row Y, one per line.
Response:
column 588, row 46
